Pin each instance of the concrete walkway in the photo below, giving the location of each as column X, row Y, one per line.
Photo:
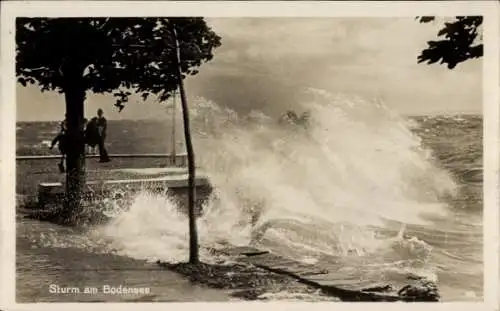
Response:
column 332, row 283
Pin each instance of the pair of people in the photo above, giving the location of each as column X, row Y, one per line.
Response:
column 94, row 135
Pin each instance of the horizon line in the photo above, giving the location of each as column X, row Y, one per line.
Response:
column 158, row 119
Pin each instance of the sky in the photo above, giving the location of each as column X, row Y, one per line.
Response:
column 264, row 63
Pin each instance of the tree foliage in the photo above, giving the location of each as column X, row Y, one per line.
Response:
column 460, row 40
column 117, row 55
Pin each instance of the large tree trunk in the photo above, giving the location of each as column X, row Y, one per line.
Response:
column 74, row 91
column 193, row 232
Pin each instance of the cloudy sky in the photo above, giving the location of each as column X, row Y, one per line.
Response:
column 263, row 63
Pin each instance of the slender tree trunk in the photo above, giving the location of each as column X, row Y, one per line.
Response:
column 174, row 154
column 74, row 92
column 193, row 233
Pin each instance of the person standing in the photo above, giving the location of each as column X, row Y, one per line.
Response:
column 64, row 123
column 90, row 142
column 61, row 140
column 102, row 125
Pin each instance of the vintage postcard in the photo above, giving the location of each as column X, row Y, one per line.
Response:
column 270, row 152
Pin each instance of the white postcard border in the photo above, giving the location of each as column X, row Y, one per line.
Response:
column 491, row 113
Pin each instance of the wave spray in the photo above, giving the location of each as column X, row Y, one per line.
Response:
column 338, row 189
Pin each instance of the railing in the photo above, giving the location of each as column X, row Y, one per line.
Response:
column 180, row 159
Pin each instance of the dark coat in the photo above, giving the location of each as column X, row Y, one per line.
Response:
column 92, row 136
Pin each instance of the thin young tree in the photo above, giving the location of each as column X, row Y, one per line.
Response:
column 193, row 232
column 120, row 56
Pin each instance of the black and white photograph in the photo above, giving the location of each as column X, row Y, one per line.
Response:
column 171, row 157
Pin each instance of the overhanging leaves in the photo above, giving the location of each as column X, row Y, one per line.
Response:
column 461, row 40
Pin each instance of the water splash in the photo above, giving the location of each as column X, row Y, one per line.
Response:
column 153, row 227
column 324, row 189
